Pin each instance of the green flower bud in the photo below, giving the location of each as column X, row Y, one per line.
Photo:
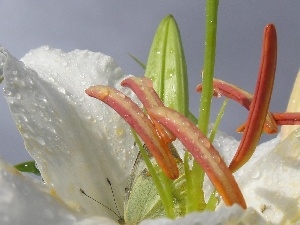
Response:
column 166, row 66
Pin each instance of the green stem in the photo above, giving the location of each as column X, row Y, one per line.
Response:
column 209, row 62
column 197, row 173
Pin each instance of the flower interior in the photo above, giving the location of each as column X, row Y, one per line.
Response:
column 157, row 126
column 173, row 182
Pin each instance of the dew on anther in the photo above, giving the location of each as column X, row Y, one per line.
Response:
column 217, row 158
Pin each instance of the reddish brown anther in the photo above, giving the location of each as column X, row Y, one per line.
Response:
column 261, row 100
column 257, row 105
column 222, row 88
column 135, row 117
column 143, row 88
column 203, row 152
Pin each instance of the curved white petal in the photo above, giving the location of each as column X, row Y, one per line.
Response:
column 77, row 142
column 24, row 202
column 234, row 215
column 271, row 183
column 293, row 106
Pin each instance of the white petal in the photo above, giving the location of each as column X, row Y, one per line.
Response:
column 234, row 215
column 77, row 141
column 293, row 106
column 24, row 202
column 271, row 183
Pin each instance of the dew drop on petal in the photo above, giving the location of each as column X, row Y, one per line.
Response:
column 18, row 96
column 46, row 47
column 62, row 90
column 255, row 173
column 239, row 173
column 119, row 131
column 24, row 118
column 81, row 99
column 7, row 93
column 40, row 140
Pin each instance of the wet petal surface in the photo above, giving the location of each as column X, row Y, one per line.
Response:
column 270, row 184
column 76, row 141
column 26, row 202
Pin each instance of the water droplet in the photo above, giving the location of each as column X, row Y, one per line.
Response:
column 240, row 172
column 217, row 158
column 7, row 92
column 81, row 99
column 10, row 101
column 255, row 173
column 51, row 79
column 62, row 90
column 119, row 131
column 18, row 96
column 53, row 130
column 40, row 140
column 122, row 95
column 100, row 118
column 28, row 80
column 24, row 118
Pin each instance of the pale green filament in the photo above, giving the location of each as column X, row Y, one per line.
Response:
column 164, row 193
column 218, row 121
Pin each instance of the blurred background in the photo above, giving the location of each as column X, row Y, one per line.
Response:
column 117, row 28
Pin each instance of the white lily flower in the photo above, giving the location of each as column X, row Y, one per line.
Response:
column 66, row 131
column 79, row 143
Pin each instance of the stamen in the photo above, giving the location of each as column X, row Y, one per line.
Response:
column 222, row 88
column 203, row 151
column 143, row 88
column 260, row 104
column 135, row 117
